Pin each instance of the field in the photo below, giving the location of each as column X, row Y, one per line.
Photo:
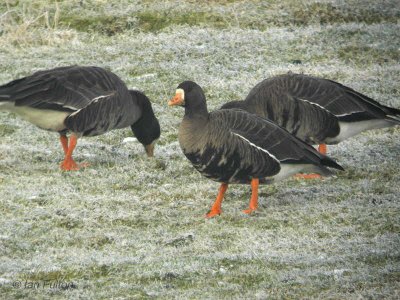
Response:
column 129, row 227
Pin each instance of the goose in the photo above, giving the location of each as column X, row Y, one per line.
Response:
column 234, row 146
column 82, row 101
column 316, row 110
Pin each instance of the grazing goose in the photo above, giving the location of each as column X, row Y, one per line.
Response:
column 234, row 146
column 85, row 101
column 316, row 110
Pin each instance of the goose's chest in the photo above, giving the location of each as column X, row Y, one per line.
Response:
column 191, row 137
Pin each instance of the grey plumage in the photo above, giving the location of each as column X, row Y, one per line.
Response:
column 85, row 101
column 97, row 99
column 235, row 146
column 316, row 110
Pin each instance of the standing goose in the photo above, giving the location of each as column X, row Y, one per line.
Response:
column 234, row 146
column 85, row 101
column 316, row 110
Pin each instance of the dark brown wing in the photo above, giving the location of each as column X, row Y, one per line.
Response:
column 65, row 88
column 103, row 114
column 280, row 102
column 341, row 101
column 267, row 135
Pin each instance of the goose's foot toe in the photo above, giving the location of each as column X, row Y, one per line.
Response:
column 71, row 165
column 308, row 176
column 249, row 211
column 213, row 213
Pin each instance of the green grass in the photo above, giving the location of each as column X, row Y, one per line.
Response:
column 365, row 54
column 110, row 19
column 6, row 129
column 156, row 21
column 332, row 13
column 108, row 25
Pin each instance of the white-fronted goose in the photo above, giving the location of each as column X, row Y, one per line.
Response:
column 85, row 101
column 234, row 146
column 316, row 110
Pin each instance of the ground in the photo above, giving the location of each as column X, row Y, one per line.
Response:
column 129, row 227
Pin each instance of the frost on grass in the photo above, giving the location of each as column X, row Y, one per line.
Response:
column 132, row 227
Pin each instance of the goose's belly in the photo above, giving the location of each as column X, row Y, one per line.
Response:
column 47, row 119
column 349, row 129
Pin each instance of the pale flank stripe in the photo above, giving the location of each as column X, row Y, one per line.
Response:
column 257, row 147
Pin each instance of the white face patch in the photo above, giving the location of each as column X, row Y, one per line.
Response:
column 181, row 92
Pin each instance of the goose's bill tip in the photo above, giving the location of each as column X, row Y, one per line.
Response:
column 149, row 150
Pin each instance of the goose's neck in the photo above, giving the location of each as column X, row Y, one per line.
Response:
column 197, row 109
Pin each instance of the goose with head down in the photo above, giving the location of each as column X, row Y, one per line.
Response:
column 316, row 110
column 84, row 101
column 234, row 146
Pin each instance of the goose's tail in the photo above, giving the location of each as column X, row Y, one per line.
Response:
column 393, row 115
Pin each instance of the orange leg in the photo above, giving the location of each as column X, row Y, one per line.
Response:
column 216, row 207
column 64, row 143
column 69, row 164
column 322, row 148
column 254, row 196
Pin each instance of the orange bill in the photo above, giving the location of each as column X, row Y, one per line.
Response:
column 177, row 99
column 150, row 149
